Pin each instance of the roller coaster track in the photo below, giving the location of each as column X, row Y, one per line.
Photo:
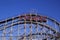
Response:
column 30, row 19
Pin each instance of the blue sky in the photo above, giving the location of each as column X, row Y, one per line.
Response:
column 11, row 8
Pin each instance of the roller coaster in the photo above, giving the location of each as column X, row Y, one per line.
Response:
column 30, row 27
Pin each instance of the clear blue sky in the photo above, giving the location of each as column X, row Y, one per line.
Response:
column 10, row 8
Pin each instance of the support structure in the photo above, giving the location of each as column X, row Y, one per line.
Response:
column 29, row 27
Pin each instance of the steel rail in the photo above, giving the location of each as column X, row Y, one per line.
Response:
column 37, row 34
column 10, row 19
column 28, row 22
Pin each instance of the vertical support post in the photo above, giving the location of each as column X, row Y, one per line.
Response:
column 37, row 26
column 55, row 26
column 47, row 36
column 18, row 29
column 25, row 28
column 49, row 32
column 41, row 32
column 30, row 27
column 44, row 33
column 55, row 29
column 11, row 29
column 4, row 31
